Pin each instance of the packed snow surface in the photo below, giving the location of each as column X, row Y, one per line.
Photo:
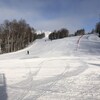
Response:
column 64, row 69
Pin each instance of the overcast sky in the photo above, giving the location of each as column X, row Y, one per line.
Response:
column 53, row 14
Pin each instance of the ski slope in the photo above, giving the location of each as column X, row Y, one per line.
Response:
column 64, row 69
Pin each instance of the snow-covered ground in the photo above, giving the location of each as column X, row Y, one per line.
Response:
column 64, row 69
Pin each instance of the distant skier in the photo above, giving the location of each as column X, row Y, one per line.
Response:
column 28, row 52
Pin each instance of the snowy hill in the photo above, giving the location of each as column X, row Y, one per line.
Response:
column 88, row 45
column 64, row 69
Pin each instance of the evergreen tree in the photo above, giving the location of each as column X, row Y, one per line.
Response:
column 98, row 28
column 40, row 36
column 59, row 34
column 80, row 32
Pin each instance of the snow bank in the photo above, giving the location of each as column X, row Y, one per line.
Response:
column 94, row 38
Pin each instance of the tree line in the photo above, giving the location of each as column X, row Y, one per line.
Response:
column 57, row 34
column 64, row 33
column 16, row 35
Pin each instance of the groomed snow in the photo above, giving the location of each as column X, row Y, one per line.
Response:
column 63, row 69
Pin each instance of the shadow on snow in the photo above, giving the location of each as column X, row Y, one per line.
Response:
column 3, row 86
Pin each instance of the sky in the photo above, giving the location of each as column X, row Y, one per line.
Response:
column 50, row 15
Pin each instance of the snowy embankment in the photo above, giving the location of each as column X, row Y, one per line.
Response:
column 64, row 69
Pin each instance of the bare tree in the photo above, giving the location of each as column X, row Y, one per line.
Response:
column 16, row 35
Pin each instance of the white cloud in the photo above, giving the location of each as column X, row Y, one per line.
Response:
column 70, row 23
column 8, row 13
column 71, row 18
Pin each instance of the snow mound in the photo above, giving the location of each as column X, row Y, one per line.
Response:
column 94, row 38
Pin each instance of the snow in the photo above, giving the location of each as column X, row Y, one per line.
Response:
column 46, row 33
column 54, row 70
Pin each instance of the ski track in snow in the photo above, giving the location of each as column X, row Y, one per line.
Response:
column 39, row 86
column 63, row 70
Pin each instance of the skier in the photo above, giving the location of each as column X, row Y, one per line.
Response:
column 28, row 52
